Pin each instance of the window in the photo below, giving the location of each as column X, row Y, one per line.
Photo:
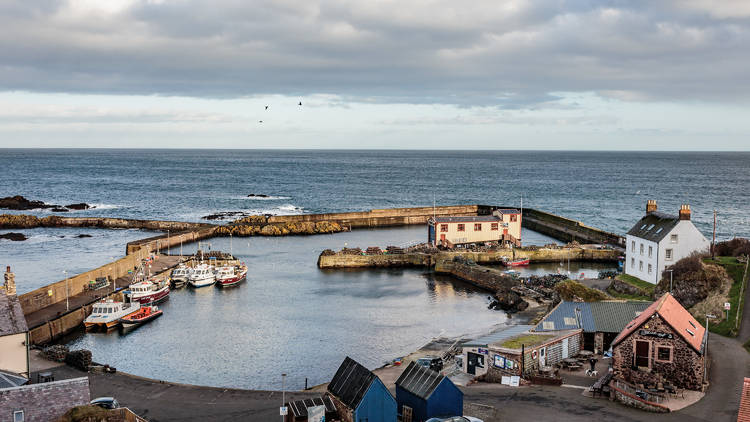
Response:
column 477, row 227
column 641, row 248
column 668, row 254
column 632, row 262
column 443, row 227
column 649, row 268
column 643, row 227
column 493, row 226
column 650, row 251
column 664, row 354
column 461, row 227
column 640, row 265
column 673, row 238
column 650, row 227
column 513, row 218
column 633, row 246
column 18, row 416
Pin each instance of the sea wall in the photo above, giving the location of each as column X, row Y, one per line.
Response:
column 384, row 217
column 567, row 230
column 171, row 240
column 24, row 221
column 58, row 327
column 340, row 260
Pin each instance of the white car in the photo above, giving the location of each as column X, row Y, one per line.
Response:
column 455, row 419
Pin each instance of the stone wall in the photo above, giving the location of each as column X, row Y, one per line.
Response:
column 567, row 230
column 345, row 414
column 385, row 217
column 685, row 370
column 633, row 401
column 170, row 240
column 620, row 286
column 44, row 402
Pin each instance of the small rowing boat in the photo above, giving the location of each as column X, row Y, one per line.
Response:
column 143, row 315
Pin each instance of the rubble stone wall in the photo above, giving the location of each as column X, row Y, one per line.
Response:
column 44, row 402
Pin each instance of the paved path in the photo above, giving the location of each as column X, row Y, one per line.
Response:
column 54, row 311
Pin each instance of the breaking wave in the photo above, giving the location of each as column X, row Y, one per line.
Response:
column 266, row 198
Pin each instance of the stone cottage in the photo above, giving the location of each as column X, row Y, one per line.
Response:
column 663, row 344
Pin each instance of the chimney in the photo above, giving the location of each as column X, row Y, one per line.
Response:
column 685, row 212
column 650, row 206
column 10, row 282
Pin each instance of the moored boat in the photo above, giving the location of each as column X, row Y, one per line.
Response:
column 180, row 276
column 148, row 291
column 231, row 275
column 143, row 315
column 107, row 313
column 519, row 262
column 202, row 276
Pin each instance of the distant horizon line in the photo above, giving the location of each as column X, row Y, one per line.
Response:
column 370, row 149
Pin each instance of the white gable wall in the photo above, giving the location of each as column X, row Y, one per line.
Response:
column 689, row 240
column 637, row 262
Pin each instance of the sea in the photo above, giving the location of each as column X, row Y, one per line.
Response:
column 291, row 317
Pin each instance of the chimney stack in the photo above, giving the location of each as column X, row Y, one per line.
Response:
column 10, row 282
column 650, row 206
column 685, row 212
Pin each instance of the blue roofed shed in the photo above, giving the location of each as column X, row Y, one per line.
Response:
column 360, row 396
column 428, row 393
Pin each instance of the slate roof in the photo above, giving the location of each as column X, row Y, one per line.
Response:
column 670, row 310
column 12, row 320
column 351, row 382
column 508, row 211
column 8, row 380
column 606, row 317
column 509, row 332
column 299, row 407
column 468, row 219
column 744, row 413
column 419, row 380
column 654, row 226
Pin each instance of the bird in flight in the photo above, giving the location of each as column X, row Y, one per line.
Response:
column 300, row 103
column 266, row 107
column 260, row 121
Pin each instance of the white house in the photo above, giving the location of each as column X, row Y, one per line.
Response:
column 659, row 240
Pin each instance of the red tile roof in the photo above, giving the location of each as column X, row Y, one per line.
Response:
column 744, row 414
column 670, row 310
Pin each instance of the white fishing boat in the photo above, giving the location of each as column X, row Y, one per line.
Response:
column 231, row 275
column 202, row 276
column 148, row 291
column 107, row 313
column 180, row 275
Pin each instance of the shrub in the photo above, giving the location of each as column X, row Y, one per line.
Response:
column 735, row 247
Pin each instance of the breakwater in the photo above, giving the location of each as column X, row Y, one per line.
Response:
column 567, row 230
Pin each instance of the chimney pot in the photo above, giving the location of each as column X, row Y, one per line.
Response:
column 685, row 212
column 651, row 206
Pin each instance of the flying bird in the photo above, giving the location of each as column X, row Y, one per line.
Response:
column 300, row 103
column 266, row 107
column 260, row 121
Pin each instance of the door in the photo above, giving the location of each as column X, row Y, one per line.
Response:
column 565, row 348
column 474, row 360
column 642, row 352
column 543, row 356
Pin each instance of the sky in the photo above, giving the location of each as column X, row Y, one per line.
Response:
column 496, row 74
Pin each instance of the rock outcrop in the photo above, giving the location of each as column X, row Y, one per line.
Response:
column 16, row 237
column 693, row 281
column 19, row 203
column 574, row 291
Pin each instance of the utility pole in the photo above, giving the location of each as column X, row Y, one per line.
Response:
column 67, row 291
column 713, row 242
column 283, row 395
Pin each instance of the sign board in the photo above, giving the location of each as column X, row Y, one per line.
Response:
column 499, row 361
column 505, row 380
column 316, row 414
column 655, row 334
column 483, row 351
column 515, row 381
column 727, row 305
column 283, row 410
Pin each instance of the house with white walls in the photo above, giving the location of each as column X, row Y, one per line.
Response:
column 658, row 240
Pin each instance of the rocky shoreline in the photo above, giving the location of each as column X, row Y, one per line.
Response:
column 19, row 203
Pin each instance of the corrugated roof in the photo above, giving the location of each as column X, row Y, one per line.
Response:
column 299, row 407
column 670, row 310
column 654, row 226
column 468, row 219
column 12, row 320
column 419, row 380
column 607, row 317
column 351, row 382
column 8, row 380
column 510, row 331
column 744, row 413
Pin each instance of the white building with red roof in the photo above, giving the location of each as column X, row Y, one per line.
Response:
column 664, row 344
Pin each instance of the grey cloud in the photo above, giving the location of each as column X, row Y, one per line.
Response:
column 509, row 54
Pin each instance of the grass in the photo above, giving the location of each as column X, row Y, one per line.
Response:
column 571, row 290
column 637, row 282
column 626, row 296
column 527, row 340
column 735, row 269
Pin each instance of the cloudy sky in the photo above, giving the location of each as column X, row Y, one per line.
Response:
column 496, row 74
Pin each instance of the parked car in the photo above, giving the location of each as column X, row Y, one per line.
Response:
column 432, row 362
column 455, row 419
column 105, row 402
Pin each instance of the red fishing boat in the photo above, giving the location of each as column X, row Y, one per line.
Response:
column 143, row 315
column 148, row 291
column 230, row 276
column 520, row 262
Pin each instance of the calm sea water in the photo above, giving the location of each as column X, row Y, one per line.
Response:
column 292, row 317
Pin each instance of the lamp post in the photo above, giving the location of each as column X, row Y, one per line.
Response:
column 168, row 249
column 67, row 291
column 283, row 395
column 705, row 349
column 670, row 280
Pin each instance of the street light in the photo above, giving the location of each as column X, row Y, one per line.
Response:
column 168, row 242
column 705, row 350
column 283, row 395
column 67, row 291
column 670, row 280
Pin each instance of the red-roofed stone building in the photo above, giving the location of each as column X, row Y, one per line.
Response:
column 662, row 344
column 744, row 413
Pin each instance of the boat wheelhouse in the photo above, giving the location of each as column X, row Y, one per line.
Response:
column 107, row 313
